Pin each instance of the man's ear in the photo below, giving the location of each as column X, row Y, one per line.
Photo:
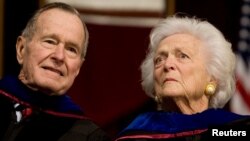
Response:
column 20, row 44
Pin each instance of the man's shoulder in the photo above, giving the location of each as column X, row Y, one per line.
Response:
column 85, row 130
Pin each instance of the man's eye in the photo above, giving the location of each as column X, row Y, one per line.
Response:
column 50, row 42
column 183, row 55
column 73, row 50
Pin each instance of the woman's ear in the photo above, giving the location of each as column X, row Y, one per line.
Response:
column 20, row 44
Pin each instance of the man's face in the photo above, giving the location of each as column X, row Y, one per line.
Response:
column 52, row 58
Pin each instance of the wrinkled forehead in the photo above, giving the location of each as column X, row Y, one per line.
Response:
column 63, row 23
column 181, row 41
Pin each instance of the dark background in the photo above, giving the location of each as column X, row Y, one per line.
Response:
column 108, row 87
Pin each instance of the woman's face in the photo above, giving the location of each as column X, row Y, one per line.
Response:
column 179, row 67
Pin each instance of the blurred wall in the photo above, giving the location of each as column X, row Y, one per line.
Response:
column 16, row 14
column 1, row 37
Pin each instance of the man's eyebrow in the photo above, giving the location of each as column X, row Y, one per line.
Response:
column 57, row 37
column 51, row 36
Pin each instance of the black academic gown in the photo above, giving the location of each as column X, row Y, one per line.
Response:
column 27, row 115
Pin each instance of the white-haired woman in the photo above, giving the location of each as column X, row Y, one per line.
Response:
column 189, row 71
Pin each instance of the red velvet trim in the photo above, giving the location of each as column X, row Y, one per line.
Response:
column 46, row 111
column 161, row 136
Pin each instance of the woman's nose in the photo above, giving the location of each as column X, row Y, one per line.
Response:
column 170, row 63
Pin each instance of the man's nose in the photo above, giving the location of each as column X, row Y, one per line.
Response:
column 59, row 52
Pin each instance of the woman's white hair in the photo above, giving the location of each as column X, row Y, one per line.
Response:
column 220, row 59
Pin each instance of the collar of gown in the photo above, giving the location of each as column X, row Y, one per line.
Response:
column 171, row 122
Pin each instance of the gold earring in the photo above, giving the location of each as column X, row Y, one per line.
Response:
column 210, row 89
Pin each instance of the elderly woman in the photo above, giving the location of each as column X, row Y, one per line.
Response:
column 189, row 71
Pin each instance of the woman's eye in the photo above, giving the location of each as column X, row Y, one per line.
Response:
column 158, row 61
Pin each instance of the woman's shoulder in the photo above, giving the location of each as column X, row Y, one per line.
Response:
column 171, row 124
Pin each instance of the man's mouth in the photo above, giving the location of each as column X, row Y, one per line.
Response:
column 53, row 70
